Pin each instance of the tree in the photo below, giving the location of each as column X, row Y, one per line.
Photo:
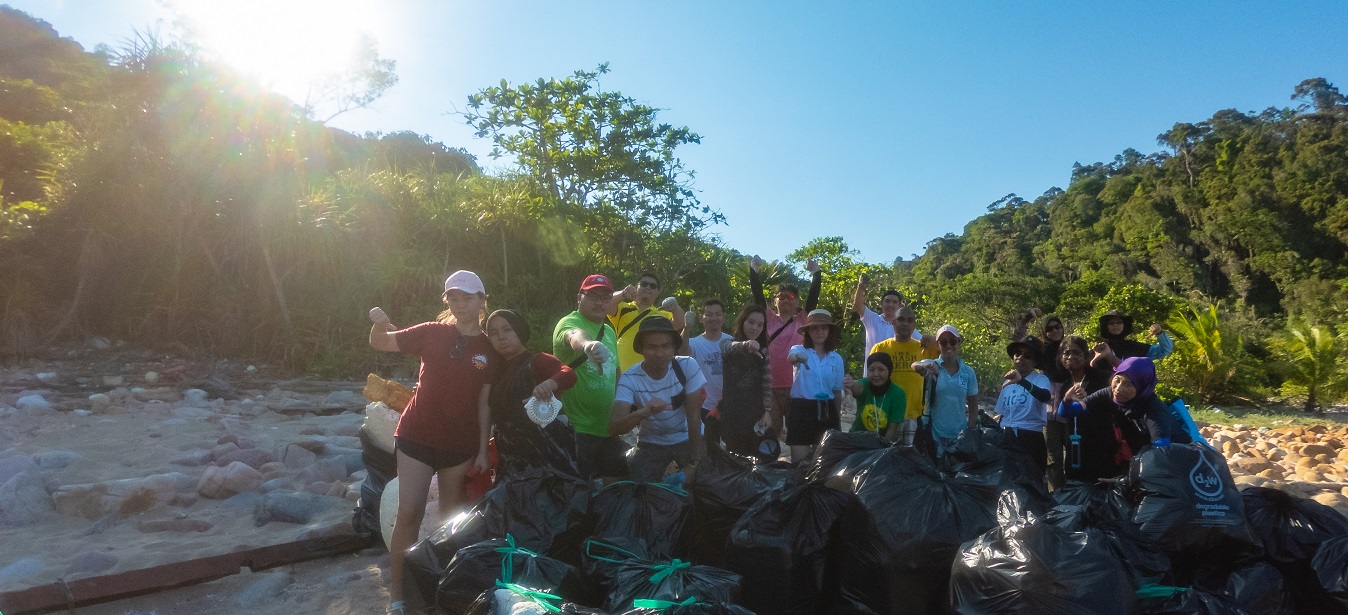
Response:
column 1321, row 94
column 1208, row 360
column 1312, row 357
column 596, row 149
column 357, row 86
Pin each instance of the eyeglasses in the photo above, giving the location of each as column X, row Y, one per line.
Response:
column 459, row 347
column 786, row 297
column 948, row 342
column 650, row 285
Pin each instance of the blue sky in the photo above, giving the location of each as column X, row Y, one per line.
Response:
column 888, row 123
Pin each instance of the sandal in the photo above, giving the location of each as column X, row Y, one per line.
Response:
column 397, row 607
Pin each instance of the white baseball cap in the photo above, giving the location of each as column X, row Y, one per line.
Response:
column 951, row 330
column 465, row 281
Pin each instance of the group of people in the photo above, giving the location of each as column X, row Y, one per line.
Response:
column 621, row 362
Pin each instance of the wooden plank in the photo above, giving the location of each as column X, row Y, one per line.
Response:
column 93, row 590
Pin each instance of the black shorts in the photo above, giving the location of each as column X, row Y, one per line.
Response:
column 437, row 459
column 808, row 419
column 601, row 457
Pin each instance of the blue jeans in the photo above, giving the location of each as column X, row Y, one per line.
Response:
column 649, row 461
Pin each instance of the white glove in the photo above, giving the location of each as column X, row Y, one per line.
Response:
column 689, row 318
column 378, row 317
column 598, row 354
column 669, row 304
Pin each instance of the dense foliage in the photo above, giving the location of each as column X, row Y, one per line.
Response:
column 151, row 195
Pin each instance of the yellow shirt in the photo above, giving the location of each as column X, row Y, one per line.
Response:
column 627, row 318
column 903, row 355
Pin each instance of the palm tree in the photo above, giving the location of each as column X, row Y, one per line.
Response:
column 1209, row 360
column 1312, row 357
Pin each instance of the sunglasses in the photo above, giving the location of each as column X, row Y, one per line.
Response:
column 459, row 347
column 948, row 342
column 786, row 297
column 650, row 285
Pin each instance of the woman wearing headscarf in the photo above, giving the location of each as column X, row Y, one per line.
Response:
column 1073, row 365
column 1118, row 421
column 1114, row 346
column 521, row 442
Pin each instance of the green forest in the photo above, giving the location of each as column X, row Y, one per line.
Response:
column 150, row 195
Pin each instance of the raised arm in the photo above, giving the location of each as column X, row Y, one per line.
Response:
column 859, row 299
column 816, row 280
column 381, row 332
column 756, row 283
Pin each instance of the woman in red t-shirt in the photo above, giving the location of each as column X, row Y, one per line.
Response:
column 444, row 430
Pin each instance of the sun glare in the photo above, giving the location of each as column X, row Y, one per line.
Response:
column 285, row 44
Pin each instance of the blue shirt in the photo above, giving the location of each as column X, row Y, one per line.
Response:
column 950, row 410
column 820, row 379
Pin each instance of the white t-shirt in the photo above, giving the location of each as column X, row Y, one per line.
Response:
column 636, row 387
column 708, row 355
column 1021, row 410
column 878, row 329
column 816, row 378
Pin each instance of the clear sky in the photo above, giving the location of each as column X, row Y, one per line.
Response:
column 889, row 123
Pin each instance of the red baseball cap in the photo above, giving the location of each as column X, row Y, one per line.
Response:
column 596, row 281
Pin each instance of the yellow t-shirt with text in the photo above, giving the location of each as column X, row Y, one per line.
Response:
column 904, row 354
column 627, row 318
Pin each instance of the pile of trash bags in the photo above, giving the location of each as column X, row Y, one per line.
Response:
column 867, row 527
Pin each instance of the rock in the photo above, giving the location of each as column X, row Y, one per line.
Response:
column 223, row 482
column 274, row 466
column 346, row 399
column 319, row 488
column 1252, row 465
column 151, row 377
column 223, row 449
column 274, row 484
column 15, row 465
column 196, row 396
column 287, row 506
column 1306, row 462
column 55, row 460
column 99, row 402
column 91, row 562
column 264, row 590
column 297, row 456
column 1274, row 473
column 1229, row 447
column 174, row 525
column 192, row 458
column 25, row 568
column 1331, row 499
column 122, row 497
column 252, row 457
column 324, row 470
column 191, row 413
column 113, row 381
column 33, row 404
column 1253, row 481
column 23, row 500
column 162, row 394
column 243, row 502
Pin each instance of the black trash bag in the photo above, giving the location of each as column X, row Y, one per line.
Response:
column 600, row 560
column 835, row 446
column 1079, row 493
column 782, row 546
column 523, row 444
column 543, row 509
column 499, row 600
column 477, row 568
column 986, row 453
column 1331, row 569
column 1184, row 500
column 654, row 513
column 687, row 607
column 670, row 580
column 380, row 468
column 1028, row 566
column 723, row 487
column 904, row 531
column 1291, row 529
column 1256, row 589
column 1105, row 523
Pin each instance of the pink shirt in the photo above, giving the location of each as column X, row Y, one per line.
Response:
column 780, row 346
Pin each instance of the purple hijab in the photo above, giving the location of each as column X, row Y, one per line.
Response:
column 1142, row 373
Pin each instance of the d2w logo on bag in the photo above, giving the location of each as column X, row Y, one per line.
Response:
column 1206, row 479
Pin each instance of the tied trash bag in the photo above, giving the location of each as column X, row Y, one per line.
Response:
column 988, row 454
column 672, row 581
column 904, row 529
column 835, row 446
column 654, row 513
column 514, row 599
column 1104, row 524
column 1331, row 569
column 600, row 559
column 1252, row 590
column 687, row 607
column 723, row 487
column 1185, row 501
column 380, row 468
column 541, row 508
column 1291, row 529
column 523, row 444
column 1028, row 566
column 781, row 546
column 477, row 568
